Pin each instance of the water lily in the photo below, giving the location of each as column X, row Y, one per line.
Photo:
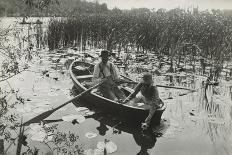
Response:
column 109, row 146
column 90, row 135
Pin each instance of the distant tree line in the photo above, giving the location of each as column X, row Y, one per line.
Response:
column 49, row 8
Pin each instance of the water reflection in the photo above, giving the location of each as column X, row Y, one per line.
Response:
column 216, row 123
column 208, row 102
column 102, row 129
column 144, row 139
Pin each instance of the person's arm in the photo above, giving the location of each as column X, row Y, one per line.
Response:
column 115, row 72
column 96, row 78
column 156, row 95
column 132, row 95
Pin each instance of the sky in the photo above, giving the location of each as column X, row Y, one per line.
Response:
column 168, row 4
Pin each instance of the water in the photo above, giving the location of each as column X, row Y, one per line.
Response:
column 191, row 125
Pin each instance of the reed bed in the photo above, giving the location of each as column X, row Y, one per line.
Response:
column 181, row 35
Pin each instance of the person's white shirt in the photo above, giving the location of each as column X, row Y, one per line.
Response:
column 97, row 74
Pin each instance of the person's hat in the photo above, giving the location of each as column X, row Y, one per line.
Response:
column 147, row 78
column 105, row 53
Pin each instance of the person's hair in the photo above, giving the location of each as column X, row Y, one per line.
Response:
column 105, row 53
column 147, row 77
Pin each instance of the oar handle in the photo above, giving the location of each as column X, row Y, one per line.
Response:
column 125, row 81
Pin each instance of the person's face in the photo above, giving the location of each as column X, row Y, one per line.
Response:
column 147, row 84
column 105, row 59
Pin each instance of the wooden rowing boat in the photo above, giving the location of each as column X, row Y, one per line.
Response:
column 81, row 72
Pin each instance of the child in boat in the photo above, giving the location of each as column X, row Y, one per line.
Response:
column 149, row 95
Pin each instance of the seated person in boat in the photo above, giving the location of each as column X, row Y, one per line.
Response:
column 107, row 72
column 148, row 95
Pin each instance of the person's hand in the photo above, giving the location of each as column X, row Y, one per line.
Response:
column 125, row 101
column 120, row 101
column 144, row 126
column 85, row 83
column 119, row 81
column 105, row 79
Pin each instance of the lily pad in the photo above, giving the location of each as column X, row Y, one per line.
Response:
column 71, row 117
column 110, row 146
column 49, row 138
column 81, row 109
column 37, row 132
column 90, row 135
column 89, row 113
column 35, row 126
column 39, row 136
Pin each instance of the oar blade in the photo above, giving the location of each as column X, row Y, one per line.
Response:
column 46, row 114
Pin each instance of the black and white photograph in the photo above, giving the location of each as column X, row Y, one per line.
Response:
column 115, row 77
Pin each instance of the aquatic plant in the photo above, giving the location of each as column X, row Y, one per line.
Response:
column 182, row 36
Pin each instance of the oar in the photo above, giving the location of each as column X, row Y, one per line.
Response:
column 174, row 87
column 49, row 112
column 165, row 86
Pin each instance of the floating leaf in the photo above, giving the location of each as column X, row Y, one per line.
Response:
column 110, row 146
column 49, row 138
column 89, row 113
column 81, row 109
column 35, row 126
column 71, row 117
column 80, row 118
column 39, row 136
column 37, row 132
column 90, row 135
